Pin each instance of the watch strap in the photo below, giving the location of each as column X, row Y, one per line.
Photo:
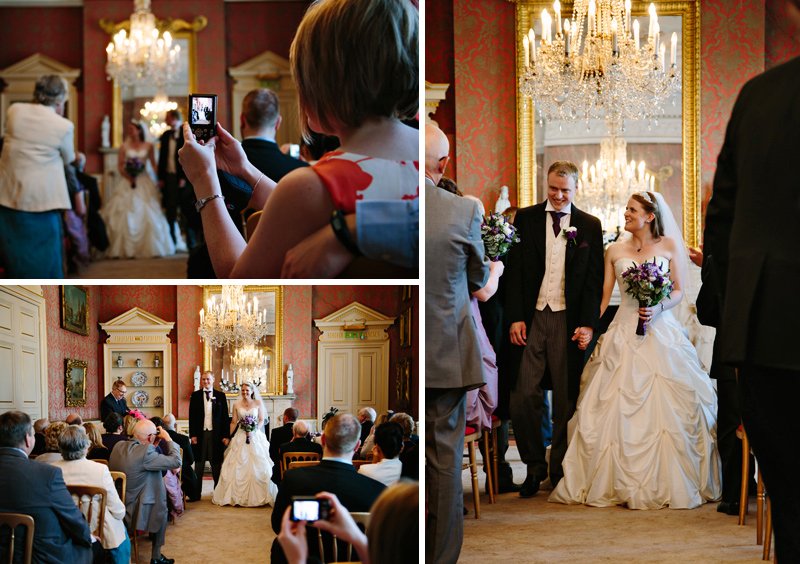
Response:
column 339, row 225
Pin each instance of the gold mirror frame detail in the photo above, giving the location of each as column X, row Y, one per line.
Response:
column 527, row 11
column 71, row 364
column 277, row 372
column 179, row 29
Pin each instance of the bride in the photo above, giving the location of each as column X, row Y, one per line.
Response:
column 136, row 225
column 645, row 429
column 246, row 473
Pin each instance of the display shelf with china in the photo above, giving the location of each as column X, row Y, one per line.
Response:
column 138, row 351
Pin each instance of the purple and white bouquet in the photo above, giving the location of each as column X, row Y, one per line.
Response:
column 134, row 168
column 249, row 424
column 648, row 284
column 498, row 235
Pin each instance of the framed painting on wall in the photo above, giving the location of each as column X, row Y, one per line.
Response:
column 405, row 328
column 404, row 384
column 75, row 383
column 74, row 309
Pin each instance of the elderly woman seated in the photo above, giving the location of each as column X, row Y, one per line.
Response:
column 97, row 450
column 78, row 471
column 51, row 435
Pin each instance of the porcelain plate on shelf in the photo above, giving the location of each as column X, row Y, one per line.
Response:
column 158, row 401
column 139, row 378
column 140, row 398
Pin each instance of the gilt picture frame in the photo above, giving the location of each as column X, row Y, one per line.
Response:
column 75, row 309
column 403, row 385
column 75, row 382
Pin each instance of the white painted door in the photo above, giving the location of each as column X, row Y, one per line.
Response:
column 351, row 378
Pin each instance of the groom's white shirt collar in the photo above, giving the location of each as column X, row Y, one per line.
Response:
column 566, row 209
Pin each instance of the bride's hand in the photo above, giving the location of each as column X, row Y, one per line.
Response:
column 647, row 314
column 292, row 538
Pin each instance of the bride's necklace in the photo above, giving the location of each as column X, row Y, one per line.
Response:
column 639, row 250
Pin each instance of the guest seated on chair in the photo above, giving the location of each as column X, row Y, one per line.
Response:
column 410, row 455
column 39, row 427
column 142, row 466
column 386, row 467
column 369, row 442
column 366, row 416
column 391, row 537
column 97, row 450
column 280, row 436
column 299, row 443
column 114, row 426
column 52, row 452
column 79, row 471
column 130, row 422
column 74, row 419
column 60, row 534
column 335, row 474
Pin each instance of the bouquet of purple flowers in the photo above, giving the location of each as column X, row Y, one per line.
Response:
column 648, row 285
column 249, row 424
column 498, row 235
column 134, row 168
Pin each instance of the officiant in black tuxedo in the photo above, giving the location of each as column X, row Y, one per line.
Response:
column 209, row 428
column 554, row 288
column 752, row 232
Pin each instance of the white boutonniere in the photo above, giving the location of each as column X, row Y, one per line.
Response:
column 570, row 234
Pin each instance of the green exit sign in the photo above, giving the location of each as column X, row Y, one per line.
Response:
column 353, row 334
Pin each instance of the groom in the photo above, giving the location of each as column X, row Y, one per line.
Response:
column 209, row 428
column 554, row 287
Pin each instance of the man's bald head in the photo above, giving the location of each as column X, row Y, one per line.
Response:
column 300, row 429
column 437, row 148
column 143, row 431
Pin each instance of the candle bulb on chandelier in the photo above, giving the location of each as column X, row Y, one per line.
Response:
column 657, row 37
column 557, row 9
column 567, row 37
column 109, row 49
column 614, row 47
column 636, row 34
column 526, row 49
column 592, row 9
column 202, row 314
column 627, row 17
column 546, row 21
column 532, row 43
column 652, row 21
column 661, row 52
column 673, row 48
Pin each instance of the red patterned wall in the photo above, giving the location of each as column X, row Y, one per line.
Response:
column 55, row 32
column 782, row 41
column 297, row 348
column 275, row 23
column 440, row 69
column 190, row 347
column 63, row 344
column 485, row 85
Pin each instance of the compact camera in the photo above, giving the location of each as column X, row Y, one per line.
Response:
column 203, row 115
column 310, row 509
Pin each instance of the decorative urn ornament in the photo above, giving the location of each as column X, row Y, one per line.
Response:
column 120, row 362
column 157, row 361
column 138, row 362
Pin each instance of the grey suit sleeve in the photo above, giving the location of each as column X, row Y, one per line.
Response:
column 477, row 262
column 170, row 461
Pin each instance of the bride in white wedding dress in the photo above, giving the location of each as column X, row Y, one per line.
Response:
column 644, row 433
column 245, row 478
column 136, row 226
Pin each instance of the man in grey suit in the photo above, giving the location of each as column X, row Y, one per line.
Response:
column 60, row 534
column 455, row 265
column 142, row 465
column 752, row 230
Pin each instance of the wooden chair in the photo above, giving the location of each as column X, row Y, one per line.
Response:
column 100, row 461
column 87, row 507
column 362, row 520
column 359, row 463
column 302, row 463
column 471, row 435
column 490, row 457
column 289, row 457
column 250, row 224
column 763, row 509
column 132, row 531
column 14, row 520
column 120, row 482
column 32, row 456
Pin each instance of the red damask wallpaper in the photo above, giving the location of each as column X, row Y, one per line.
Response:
column 297, row 347
column 485, row 86
column 782, row 41
column 55, row 32
column 190, row 347
column 440, row 69
column 254, row 27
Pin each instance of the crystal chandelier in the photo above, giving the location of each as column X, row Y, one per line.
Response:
column 234, row 321
column 606, row 186
column 250, row 364
column 142, row 56
column 154, row 113
column 596, row 68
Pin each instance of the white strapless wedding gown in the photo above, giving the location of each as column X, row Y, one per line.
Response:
column 644, row 433
column 137, row 228
column 245, row 478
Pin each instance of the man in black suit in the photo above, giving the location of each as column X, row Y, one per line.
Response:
column 39, row 428
column 299, row 443
column 171, row 178
column 554, row 287
column 335, row 474
column 752, row 230
column 61, row 534
column 366, row 416
column 188, row 477
column 115, row 401
column 280, row 436
column 209, row 428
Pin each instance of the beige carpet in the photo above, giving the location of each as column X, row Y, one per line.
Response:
column 170, row 267
column 523, row 531
column 208, row 533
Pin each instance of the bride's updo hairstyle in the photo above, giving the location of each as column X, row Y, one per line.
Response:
column 139, row 128
column 355, row 60
column 648, row 202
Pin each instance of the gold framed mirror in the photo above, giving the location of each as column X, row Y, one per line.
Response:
column 127, row 102
column 271, row 346
column 686, row 200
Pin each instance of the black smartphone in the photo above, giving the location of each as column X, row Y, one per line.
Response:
column 203, row 115
column 310, row 509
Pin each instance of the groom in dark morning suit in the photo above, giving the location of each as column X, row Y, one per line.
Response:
column 171, row 178
column 752, row 233
column 209, row 428
column 554, row 286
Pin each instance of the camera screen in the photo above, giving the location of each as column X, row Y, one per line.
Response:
column 305, row 510
column 202, row 111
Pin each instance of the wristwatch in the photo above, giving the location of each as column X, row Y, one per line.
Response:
column 339, row 225
column 198, row 205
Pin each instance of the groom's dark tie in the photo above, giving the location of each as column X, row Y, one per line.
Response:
column 208, row 394
column 557, row 221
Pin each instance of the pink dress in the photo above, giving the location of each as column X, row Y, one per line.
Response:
column 350, row 177
column 481, row 402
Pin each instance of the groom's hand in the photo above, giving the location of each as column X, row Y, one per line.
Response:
column 584, row 336
column 518, row 333
column 225, row 441
column 194, row 440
